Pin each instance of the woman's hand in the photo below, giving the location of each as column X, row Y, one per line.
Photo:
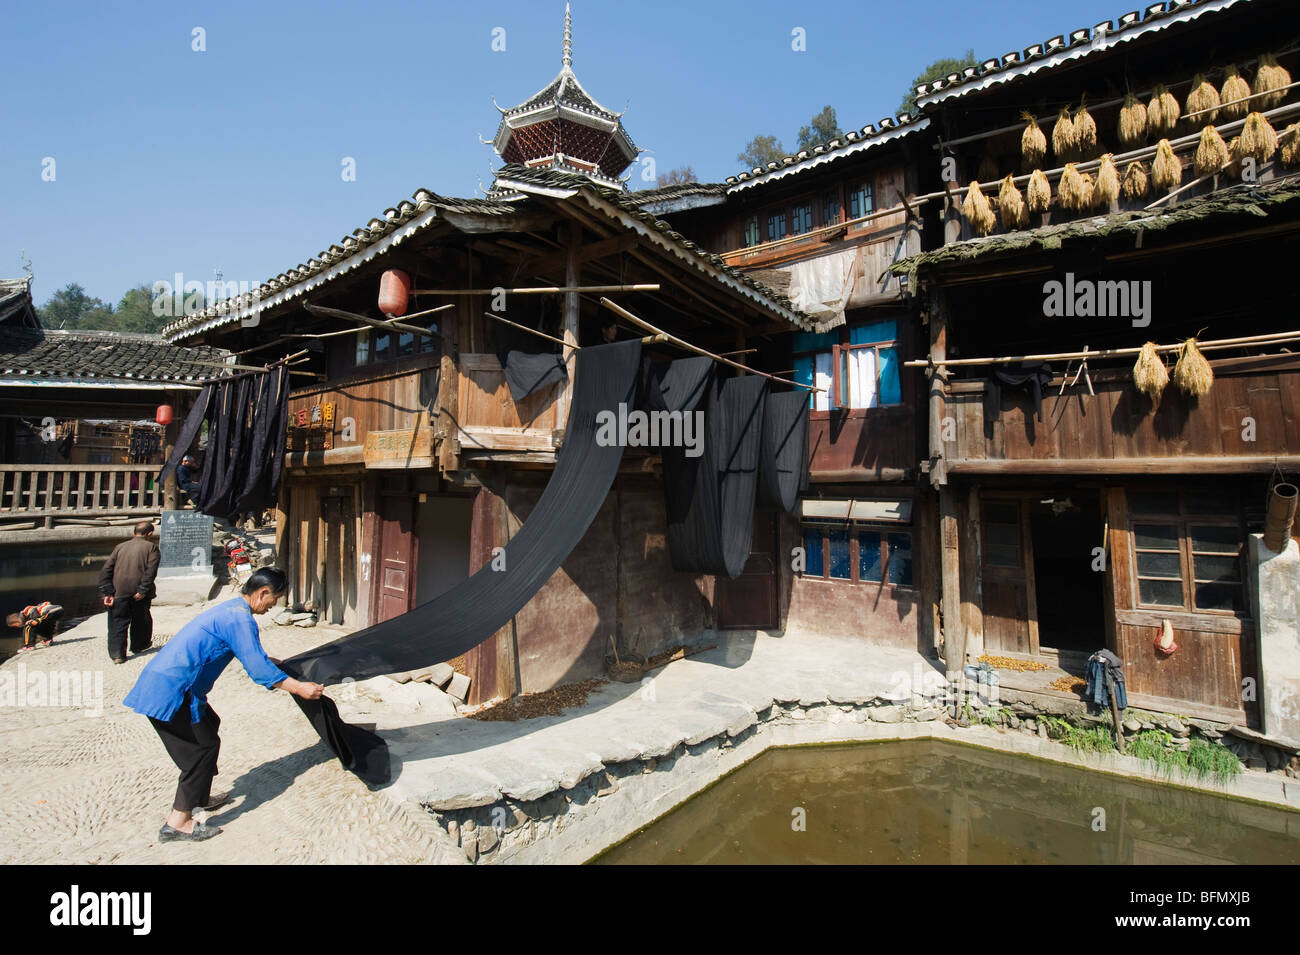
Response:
column 308, row 691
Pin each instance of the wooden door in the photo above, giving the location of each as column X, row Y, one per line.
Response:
column 338, row 568
column 1007, row 577
column 749, row 601
column 395, row 581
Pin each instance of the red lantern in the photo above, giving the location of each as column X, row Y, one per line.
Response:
column 394, row 292
column 164, row 415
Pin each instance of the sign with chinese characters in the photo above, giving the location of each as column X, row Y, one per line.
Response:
column 311, row 429
column 404, row 448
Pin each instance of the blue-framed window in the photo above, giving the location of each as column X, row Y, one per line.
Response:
column 859, row 200
column 858, row 367
column 776, row 228
column 801, row 218
column 751, row 231
column 840, row 550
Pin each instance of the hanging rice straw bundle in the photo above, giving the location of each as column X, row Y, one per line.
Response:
column 1063, row 141
column 1211, row 152
column 1258, row 140
column 1070, row 189
column 1132, row 122
column 1039, row 193
column 1235, row 158
column 1289, row 145
column 1167, row 170
column 1270, row 83
column 1192, row 373
column 1149, row 372
column 1033, row 142
column 1085, row 132
column 1203, row 97
column 1107, row 182
column 977, row 210
column 1011, row 205
column 1135, row 182
column 1087, row 192
column 1162, row 112
column 1233, row 95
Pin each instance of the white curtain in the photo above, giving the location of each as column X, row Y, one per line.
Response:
column 862, row 378
column 822, row 379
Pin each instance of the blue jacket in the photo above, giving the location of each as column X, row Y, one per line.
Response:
column 191, row 661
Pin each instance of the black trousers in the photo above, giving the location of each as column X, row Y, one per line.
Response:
column 129, row 614
column 194, row 748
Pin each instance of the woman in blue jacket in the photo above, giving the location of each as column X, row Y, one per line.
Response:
column 173, row 692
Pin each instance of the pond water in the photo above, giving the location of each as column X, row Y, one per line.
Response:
column 932, row 802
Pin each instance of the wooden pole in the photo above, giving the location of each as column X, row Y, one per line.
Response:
column 570, row 288
column 572, row 314
column 339, row 313
column 673, row 339
column 1275, row 338
column 531, row 331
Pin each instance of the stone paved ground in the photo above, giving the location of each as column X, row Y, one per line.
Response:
column 82, row 789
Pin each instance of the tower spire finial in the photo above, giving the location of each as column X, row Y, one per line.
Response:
column 567, row 58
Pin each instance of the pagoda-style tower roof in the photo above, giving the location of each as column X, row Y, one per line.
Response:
column 563, row 127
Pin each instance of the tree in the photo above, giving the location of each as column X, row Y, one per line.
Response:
column 932, row 72
column 675, row 177
column 69, row 306
column 761, row 151
column 821, row 129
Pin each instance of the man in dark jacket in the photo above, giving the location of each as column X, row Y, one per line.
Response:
column 126, row 583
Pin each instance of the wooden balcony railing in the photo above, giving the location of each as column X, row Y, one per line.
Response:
column 65, row 490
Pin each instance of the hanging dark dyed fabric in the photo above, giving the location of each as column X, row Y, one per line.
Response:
column 270, row 418
column 1030, row 377
column 711, row 498
column 189, row 431
column 675, row 385
column 359, row 750
column 783, row 463
column 466, row 615
column 528, row 372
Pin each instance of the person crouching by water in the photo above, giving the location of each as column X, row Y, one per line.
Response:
column 173, row 692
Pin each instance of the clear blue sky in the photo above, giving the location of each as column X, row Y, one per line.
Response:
column 170, row 160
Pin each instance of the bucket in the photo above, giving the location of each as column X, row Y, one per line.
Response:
column 1281, row 515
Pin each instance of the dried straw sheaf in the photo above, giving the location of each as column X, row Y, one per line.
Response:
column 1087, row 192
column 1211, row 152
column 1085, row 132
column 1135, row 182
column 1033, row 142
column 1069, row 191
column 1234, row 95
column 1235, row 158
column 977, row 210
column 1162, row 112
column 1192, row 373
column 1132, row 122
column 1149, row 372
column 1289, row 145
column 1203, row 97
column 1011, row 205
column 1107, row 183
column 1258, row 140
column 1270, row 82
column 1063, row 141
column 1039, row 193
column 1167, row 170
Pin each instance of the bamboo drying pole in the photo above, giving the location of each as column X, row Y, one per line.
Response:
column 673, row 339
column 531, row 331
column 537, row 290
column 1277, row 338
column 367, row 320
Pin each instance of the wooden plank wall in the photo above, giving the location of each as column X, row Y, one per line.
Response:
column 384, row 403
column 484, row 399
column 1119, row 423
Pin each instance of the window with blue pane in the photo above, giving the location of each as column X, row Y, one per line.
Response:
column 776, row 225
column 751, row 232
column 812, row 545
column 870, row 560
column 900, row 559
column 868, row 374
column 859, row 200
column 841, row 567
column 801, row 219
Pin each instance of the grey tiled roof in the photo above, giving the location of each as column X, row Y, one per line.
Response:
column 853, row 141
column 114, row 358
column 1078, row 43
column 16, row 304
column 645, row 197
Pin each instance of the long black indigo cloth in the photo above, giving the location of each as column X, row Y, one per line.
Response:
column 246, row 417
column 783, row 465
column 359, row 750
column 711, row 498
column 466, row 615
column 527, row 372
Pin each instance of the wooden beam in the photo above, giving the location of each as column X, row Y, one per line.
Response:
column 339, row 313
column 1185, row 464
column 572, row 316
column 591, row 250
column 569, row 289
